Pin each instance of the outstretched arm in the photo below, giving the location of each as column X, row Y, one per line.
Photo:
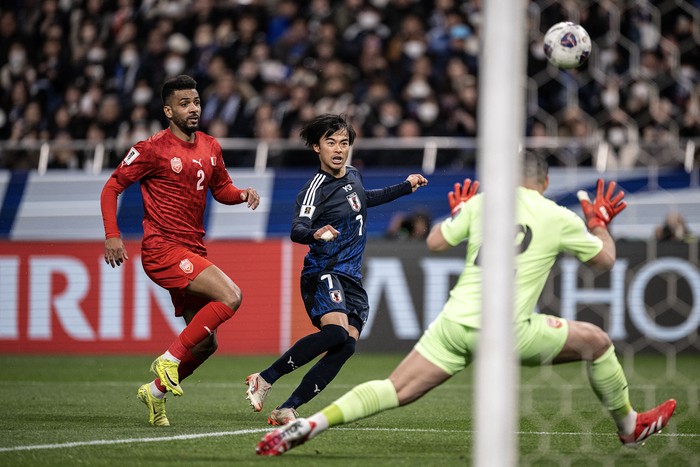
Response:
column 229, row 194
column 457, row 199
column 598, row 215
column 390, row 193
column 461, row 195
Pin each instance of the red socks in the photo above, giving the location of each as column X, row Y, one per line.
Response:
column 202, row 325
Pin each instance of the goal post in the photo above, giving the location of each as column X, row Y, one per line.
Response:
column 501, row 127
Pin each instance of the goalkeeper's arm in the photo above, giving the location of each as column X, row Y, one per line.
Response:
column 605, row 259
column 599, row 214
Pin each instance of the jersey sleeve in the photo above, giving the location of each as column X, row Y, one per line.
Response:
column 133, row 167
column 221, row 185
column 115, row 186
column 390, row 193
column 576, row 239
column 305, row 213
column 458, row 228
column 220, row 176
column 137, row 163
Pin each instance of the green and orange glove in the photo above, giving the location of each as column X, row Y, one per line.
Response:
column 606, row 205
column 461, row 195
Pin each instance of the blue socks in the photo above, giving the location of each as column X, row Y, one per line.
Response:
column 321, row 374
column 306, row 349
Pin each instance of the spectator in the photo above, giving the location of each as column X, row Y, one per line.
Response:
column 340, row 50
column 63, row 156
column 17, row 67
column 409, row 226
column 674, row 229
column 226, row 103
column 9, row 34
column 127, row 70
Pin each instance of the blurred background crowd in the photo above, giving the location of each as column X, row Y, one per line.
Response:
column 91, row 70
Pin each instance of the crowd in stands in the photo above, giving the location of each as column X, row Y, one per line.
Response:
column 92, row 69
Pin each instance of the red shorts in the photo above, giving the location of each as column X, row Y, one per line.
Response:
column 173, row 267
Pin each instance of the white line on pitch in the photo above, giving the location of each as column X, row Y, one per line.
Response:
column 105, row 442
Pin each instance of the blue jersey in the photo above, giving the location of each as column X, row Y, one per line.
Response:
column 340, row 202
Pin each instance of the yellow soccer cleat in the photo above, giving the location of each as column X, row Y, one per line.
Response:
column 166, row 370
column 156, row 407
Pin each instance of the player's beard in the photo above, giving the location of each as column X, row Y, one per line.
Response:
column 185, row 126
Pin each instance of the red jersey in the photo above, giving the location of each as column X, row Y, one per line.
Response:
column 175, row 176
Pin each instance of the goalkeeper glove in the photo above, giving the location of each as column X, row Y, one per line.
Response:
column 461, row 195
column 604, row 207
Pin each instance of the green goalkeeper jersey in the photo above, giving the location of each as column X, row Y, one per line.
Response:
column 542, row 231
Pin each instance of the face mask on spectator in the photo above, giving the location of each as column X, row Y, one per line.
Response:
column 368, row 20
column 95, row 72
column 96, row 55
column 688, row 72
column 418, row 89
column 640, row 91
column 17, row 59
column 427, row 112
column 616, row 136
column 471, row 46
column 129, row 58
column 537, row 50
column 87, row 106
column 610, row 98
column 142, row 95
column 414, row 49
column 389, row 120
column 174, row 66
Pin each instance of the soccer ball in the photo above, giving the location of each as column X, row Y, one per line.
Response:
column 567, row 45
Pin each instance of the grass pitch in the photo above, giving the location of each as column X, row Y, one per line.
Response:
column 69, row 411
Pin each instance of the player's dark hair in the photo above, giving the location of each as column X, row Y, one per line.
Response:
column 535, row 166
column 324, row 125
column 176, row 83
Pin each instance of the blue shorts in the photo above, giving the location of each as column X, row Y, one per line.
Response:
column 324, row 293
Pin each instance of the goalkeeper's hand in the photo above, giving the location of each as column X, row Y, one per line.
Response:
column 604, row 207
column 461, row 195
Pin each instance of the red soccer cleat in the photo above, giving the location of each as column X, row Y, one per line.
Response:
column 285, row 438
column 649, row 423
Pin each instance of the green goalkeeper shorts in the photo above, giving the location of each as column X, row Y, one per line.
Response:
column 451, row 346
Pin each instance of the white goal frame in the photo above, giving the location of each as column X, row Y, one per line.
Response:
column 501, row 116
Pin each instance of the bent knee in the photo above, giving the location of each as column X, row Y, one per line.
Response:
column 335, row 335
column 233, row 298
column 348, row 348
column 598, row 340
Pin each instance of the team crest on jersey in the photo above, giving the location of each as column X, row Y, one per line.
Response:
column 130, row 157
column 354, row 201
column 307, row 210
column 187, row 266
column 336, row 296
column 176, row 164
column 553, row 322
column 213, row 160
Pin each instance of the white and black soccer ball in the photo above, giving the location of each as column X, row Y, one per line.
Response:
column 567, row 45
